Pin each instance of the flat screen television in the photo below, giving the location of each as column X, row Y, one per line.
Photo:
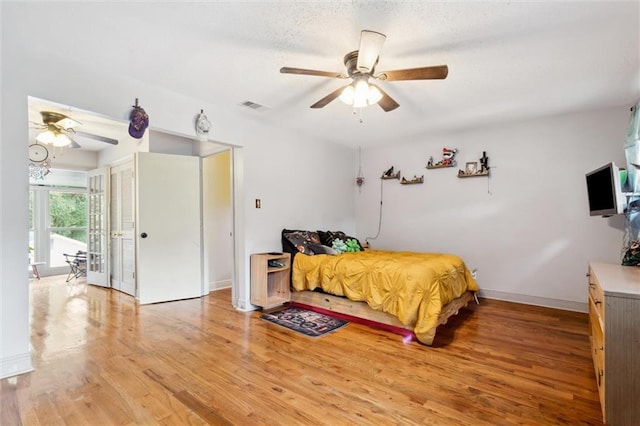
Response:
column 605, row 191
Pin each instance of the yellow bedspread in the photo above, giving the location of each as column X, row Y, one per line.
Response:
column 410, row 286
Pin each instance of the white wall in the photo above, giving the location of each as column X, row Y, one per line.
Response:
column 126, row 147
column 287, row 171
column 218, row 219
column 170, row 144
column 531, row 237
column 73, row 159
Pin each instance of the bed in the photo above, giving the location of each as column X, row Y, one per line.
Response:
column 413, row 291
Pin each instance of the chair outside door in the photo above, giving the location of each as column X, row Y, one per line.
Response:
column 77, row 264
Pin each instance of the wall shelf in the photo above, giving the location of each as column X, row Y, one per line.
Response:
column 392, row 176
column 465, row 175
column 415, row 179
column 442, row 166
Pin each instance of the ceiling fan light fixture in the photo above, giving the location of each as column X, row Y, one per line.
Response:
column 361, row 96
column 348, row 94
column 374, row 95
column 54, row 137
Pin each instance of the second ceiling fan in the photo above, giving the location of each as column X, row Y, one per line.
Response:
column 360, row 66
column 58, row 129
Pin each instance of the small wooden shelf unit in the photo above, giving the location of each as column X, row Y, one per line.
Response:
column 614, row 318
column 270, row 285
column 468, row 175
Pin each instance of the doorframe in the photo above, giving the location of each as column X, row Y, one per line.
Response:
column 239, row 268
column 237, row 190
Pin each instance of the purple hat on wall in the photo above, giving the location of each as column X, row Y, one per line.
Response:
column 139, row 121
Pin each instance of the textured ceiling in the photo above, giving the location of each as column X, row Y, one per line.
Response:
column 507, row 60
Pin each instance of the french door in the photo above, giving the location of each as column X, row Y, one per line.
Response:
column 97, row 254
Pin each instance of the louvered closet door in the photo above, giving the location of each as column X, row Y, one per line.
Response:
column 122, row 228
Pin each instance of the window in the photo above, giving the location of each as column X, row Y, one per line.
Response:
column 67, row 224
column 57, row 219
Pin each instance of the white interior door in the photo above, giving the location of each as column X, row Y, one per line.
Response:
column 122, row 227
column 169, row 237
column 97, row 250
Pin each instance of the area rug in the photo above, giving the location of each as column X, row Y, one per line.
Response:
column 309, row 323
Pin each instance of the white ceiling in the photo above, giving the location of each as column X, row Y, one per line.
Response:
column 507, row 60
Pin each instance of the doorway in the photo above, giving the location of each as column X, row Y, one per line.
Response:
column 216, row 277
column 217, row 217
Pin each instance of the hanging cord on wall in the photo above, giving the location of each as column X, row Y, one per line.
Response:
column 380, row 216
column 489, row 182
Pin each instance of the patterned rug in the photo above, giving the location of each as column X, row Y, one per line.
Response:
column 309, row 323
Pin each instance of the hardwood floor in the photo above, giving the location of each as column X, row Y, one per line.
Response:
column 100, row 359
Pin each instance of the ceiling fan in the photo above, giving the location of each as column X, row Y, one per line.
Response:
column 58, row 128
column 360, row 66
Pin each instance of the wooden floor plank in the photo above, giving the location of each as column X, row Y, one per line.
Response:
column 100, row 358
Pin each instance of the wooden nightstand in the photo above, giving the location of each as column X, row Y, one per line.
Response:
column 270, row 283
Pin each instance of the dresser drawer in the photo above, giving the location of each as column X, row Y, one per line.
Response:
column 596, row 294
column 597, row 350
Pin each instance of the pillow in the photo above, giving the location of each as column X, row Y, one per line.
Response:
column 326, row 238
column 322, row 249
column 287, row 246
column 301, row 241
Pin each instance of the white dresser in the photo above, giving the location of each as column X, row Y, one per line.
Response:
column 614, row 317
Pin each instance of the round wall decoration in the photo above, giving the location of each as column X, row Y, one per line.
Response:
column 38, row 153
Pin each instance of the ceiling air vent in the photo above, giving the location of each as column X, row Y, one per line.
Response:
column 254, row 106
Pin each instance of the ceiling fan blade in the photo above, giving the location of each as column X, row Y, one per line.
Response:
column 96, row 137
column 370, row 46
column 424, row 73
column 387, row 103
column 36, row 125
column 331, row 96
column 74, row 144
column 302, row 71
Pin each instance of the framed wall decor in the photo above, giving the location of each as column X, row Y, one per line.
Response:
column 471, row 168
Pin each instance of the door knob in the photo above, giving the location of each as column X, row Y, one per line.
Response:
column 143, row 235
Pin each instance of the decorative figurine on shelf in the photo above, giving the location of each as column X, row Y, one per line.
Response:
column 416, row 179
column 448, row 159
column 476, row 168
column 484, row 163
column 389, row 174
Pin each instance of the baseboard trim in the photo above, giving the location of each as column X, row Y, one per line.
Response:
column 219, row 285
column 546, row 302
column 15, row 365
